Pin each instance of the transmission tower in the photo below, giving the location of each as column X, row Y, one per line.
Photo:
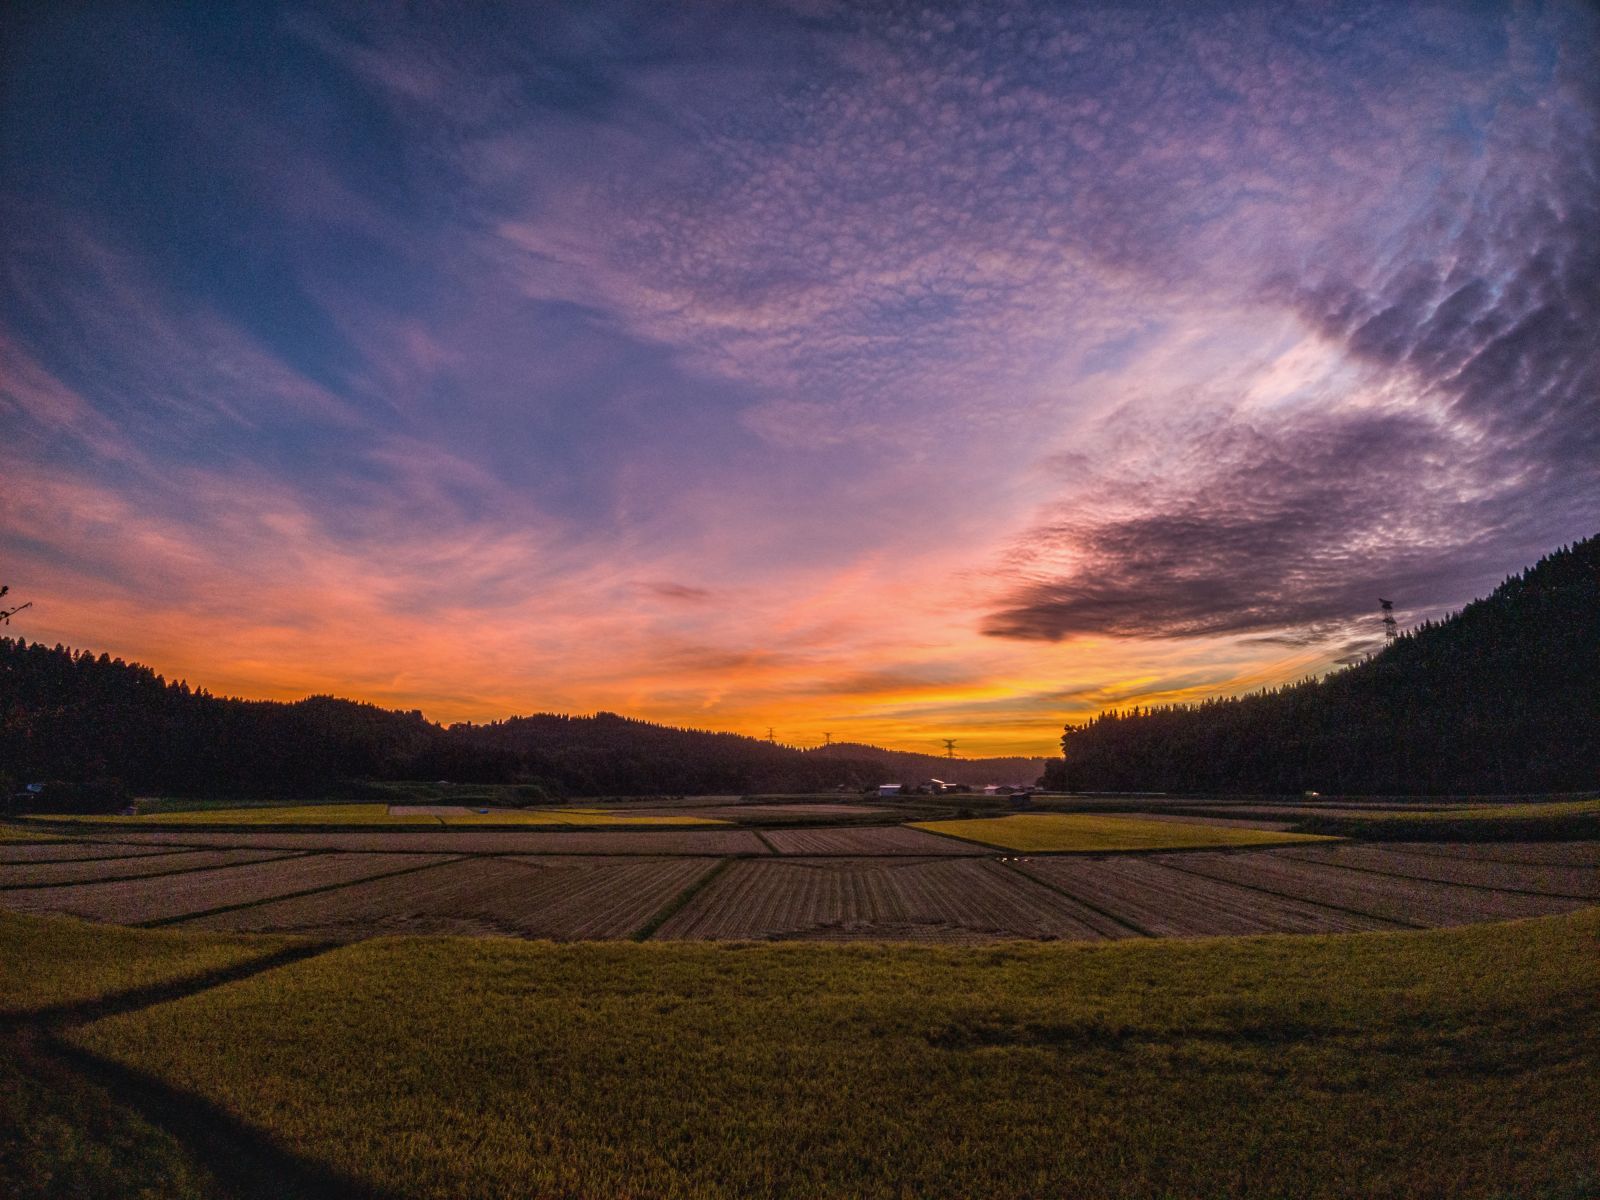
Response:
column 949, row 747
column 770, row 738
column 1390, row 629
column 827, row 739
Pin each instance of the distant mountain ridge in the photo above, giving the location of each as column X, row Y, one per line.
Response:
column 1501, row 697
column 904, row 764
column 78, row 717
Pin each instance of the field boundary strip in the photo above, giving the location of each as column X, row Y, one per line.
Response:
column 1456, row 883
column 681, row 901
column 267, row 855
column 1404, row 923
column 765, row 841
column 1049, row 885
column 158, row 922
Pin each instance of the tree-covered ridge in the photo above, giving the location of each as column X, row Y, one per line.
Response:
column 75, row 716
column 1501, row 697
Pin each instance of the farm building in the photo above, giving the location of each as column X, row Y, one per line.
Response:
column 888, row 789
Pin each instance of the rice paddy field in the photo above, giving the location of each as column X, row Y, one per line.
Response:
column 1445, row 1064
column 1148, row 1006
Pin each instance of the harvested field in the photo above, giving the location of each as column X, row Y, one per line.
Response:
column 292, row 814
column 137, row 901
column 1161, row 902
column 26, row 852
column 799, row 810
column 1579, row 882
column 872, row 839
column 693, row 842
column 948, row 900
column 560, row 898
column 1555, row 854
column 1041, row 832
column 14, row 875
column 1406, row 901
column 581, row 818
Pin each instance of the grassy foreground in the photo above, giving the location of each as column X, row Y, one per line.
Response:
column 46, row 962
column 1454, row 1063
column 1091, row 832
column 63, row 1134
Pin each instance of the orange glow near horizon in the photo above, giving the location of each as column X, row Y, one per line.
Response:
column 853, row 372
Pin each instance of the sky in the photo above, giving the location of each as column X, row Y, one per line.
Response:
column 894, row 372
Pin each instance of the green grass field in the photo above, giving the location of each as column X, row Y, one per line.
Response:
column 1042, row 832
column 1454, row 1064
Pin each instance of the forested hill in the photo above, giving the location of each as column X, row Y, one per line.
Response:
column 901, row 764
column 600, row 753
column 1502, row 697
column 82, row 718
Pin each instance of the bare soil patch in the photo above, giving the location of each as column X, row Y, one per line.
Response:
column 135, row 901
column 88, row 871
column 884, row 839
column 1408, row 901
column 1556, row 854
column 1487, row 873
column 799, row 810
column 927, row 900
column 561, row 898
column 1166, row 903
column 30, row 852
column 690, row 842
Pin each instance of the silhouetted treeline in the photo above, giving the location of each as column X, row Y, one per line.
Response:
column 83, row 719
column 1502, row 697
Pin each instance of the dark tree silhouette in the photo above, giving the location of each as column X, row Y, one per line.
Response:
column 75, row 717
column 7, row 613
column 1502, row 697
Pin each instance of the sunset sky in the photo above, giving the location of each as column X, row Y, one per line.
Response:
column 901, row 372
